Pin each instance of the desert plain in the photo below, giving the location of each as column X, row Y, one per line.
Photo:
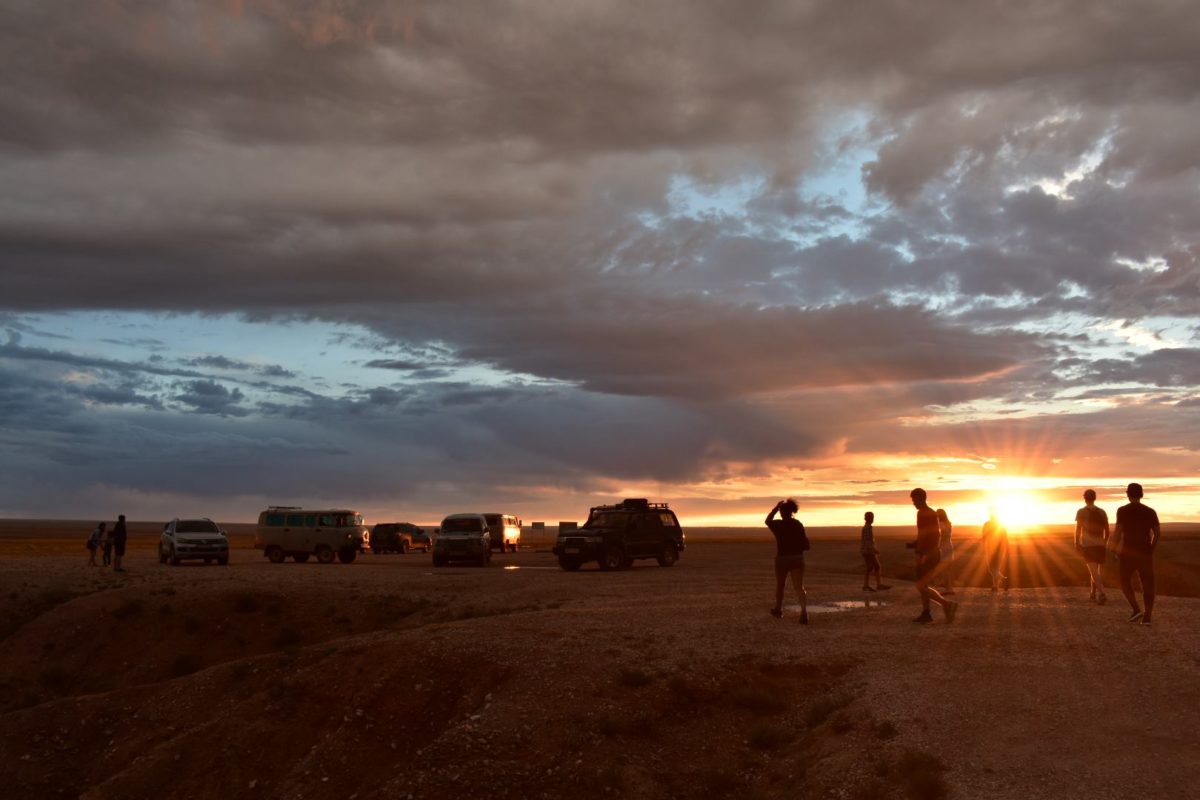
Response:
column 388, row 678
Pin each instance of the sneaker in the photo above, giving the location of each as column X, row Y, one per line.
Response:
column 1102, row 599
column 883, row 587
column 803, row 617
column 951, row 609
column 868, row 589
column 777, row 612
column 923, row 618
column 1135, row 616
column 1145, row 620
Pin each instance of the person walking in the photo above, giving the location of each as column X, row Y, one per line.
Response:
column 870, row 554
column 106, row 543
column 946, row 552
column 790, row 544
column 1091, row 540
column 119, row 538
column 928, row 559
column 1138, row 533
column 994, row 541
column 93, row 543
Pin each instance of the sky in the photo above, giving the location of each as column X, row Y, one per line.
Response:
column 418, row 258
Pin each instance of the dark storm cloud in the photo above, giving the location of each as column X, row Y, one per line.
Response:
column 226, row 363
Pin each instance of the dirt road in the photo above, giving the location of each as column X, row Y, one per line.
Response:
column 387, row 678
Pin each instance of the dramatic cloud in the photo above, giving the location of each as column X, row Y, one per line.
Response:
column 768, row 244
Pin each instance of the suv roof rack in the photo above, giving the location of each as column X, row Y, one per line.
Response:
column 632, row 504
column 284, row 508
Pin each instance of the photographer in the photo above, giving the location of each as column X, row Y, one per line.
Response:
column 790, row 544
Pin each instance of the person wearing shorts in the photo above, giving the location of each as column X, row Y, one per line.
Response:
column 790, row 544
column 1091, row 540
column 1138, row 532
column 927, row 545
column 870, row 554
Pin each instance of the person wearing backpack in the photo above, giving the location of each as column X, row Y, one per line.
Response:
column 1091, row 540
column 790, row 544
column 93, row 544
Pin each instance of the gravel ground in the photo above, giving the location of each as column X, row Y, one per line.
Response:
column 387, row 678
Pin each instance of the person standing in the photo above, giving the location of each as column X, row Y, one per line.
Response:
column 790, row 543
column 107, row 543
column 928, row 559
column 946, row 551
column 1138, row 533
column 93, row 543
column 870, row 554
column 994, row 541
column 1091, row 540
column 119, row 538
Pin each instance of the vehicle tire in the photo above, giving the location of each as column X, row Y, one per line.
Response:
column 668, row 556
column 174, row 559
column 569, row 564
column 347, row 555
column 425, row 549
column 300, row 558
column 325, row 555
column 275, row 554
column 223, row 562
column 403, row 547
column 612, row 558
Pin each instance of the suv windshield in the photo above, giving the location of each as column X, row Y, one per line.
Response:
column 196, row 526
column 607, row 520
column 467, row 525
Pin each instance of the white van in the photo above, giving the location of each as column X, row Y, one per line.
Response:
column 505, row 530
column 327, row 533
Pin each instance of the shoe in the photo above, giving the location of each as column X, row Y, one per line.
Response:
column 803, row 617
column 1145, row 620
column 777, row 612
column 951, row 609
column 868, row 589
column 883, row 587
column 923, row 618
column 1135, row 616
column 1102, row 599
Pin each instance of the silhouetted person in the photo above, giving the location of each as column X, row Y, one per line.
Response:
column 946, row 551
column 994, row 543
column 1091, row 539
column 927, row 545
column 93, row 543
column 870, row 554
column 119, row 538
column 790, row 544
column 107, row 543
column 1138, row 532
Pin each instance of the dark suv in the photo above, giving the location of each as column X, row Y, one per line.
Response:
column 615, row 535
column 399, row 537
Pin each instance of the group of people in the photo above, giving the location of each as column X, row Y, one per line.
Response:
column 110, row 542
column 1134, row 540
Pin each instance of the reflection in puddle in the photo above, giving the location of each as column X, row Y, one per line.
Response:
column 838, row 605
column 510, row 566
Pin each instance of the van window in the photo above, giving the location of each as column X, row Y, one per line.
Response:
column 327, row 520
column 492, row 519
column 310, row 521
column 295, row 519
column 347, row 520
column 275, row 519
column 668, row 520
column 510, row 521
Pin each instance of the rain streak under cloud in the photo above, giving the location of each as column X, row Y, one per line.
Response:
column 418, row 256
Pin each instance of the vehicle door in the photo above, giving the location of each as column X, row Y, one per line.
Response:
column 645, row 534
column 325, row 531
column 294, row 532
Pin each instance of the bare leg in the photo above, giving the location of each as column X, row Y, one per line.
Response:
column 1147, row 574
column 798, row 585
column 780, row 582
column 1127, row 585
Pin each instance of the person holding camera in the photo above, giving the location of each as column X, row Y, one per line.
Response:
column 927, row 545
column 790, row 543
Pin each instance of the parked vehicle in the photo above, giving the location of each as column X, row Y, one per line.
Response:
column 191, row 539
column 327, row 533
column 399, row 537
column 464, row 537
column 615, row 535
column 505, row 530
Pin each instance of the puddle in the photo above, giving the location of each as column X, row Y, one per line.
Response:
column 834, row 606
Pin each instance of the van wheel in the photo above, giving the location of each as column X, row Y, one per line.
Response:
column 612, row 558
column 275, row 554
column 668, row 556
column 569, row 564
column 324, row 555
column 347, row 555
column 300, row 558
column 404, row 547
